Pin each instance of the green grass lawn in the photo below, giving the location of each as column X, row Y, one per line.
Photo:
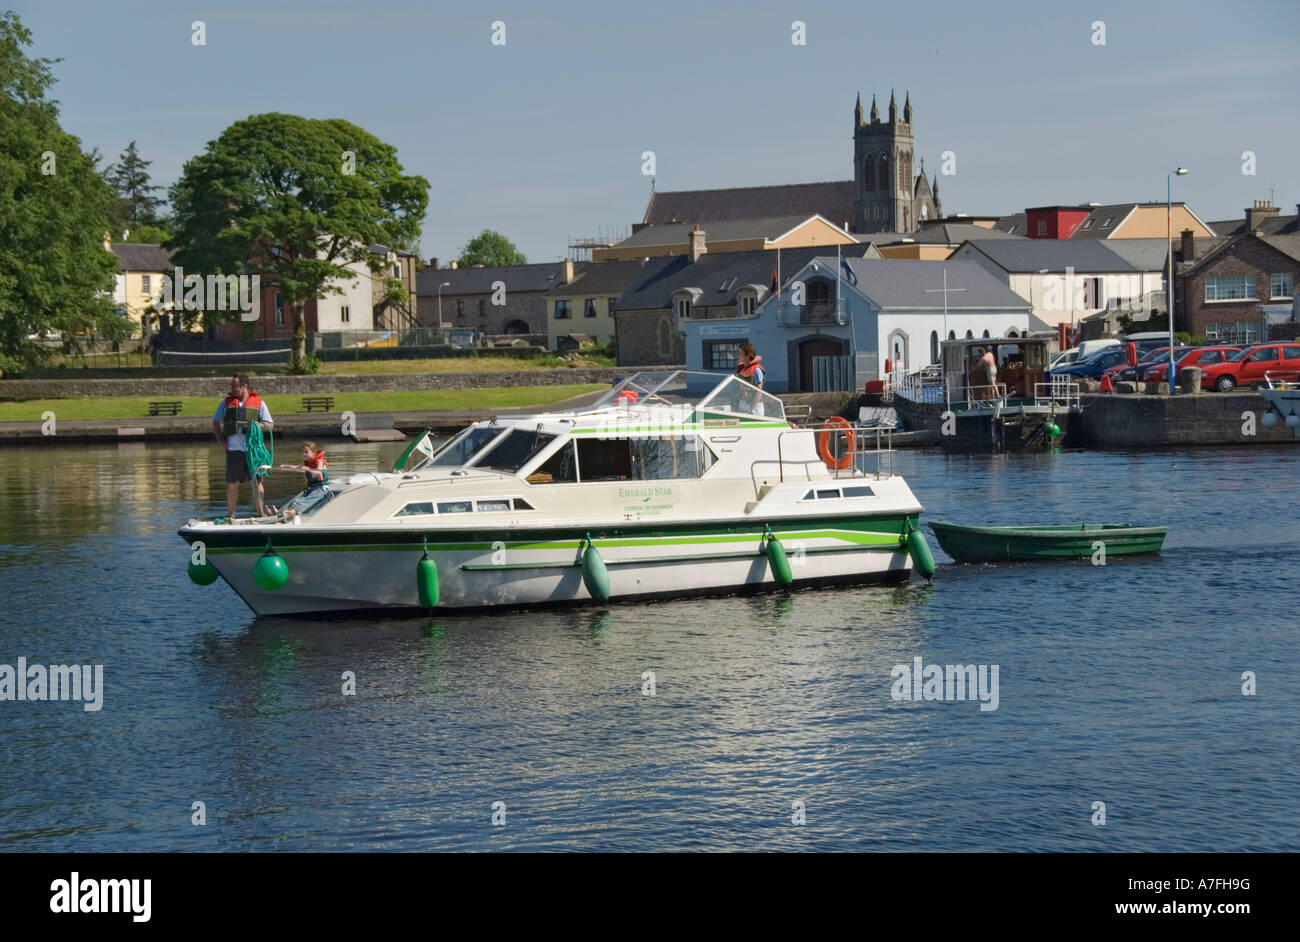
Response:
column 135, row 366
column 132, row 407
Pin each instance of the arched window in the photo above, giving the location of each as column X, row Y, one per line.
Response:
column 986, row 333
column 1012, row 333
column 869, row 173
column 952, row 335
column 882, row 173
column 969, row 335
column 934, row 346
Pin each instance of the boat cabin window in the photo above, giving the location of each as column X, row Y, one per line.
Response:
column 417, row 509
column 465, row 446
column 643, row 459
column 521, row 504
column 492, row 506
column 454, row 507
column 514, row 450
column 835, row 493
column 560, row 468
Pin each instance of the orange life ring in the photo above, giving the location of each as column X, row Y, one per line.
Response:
column 845, row 461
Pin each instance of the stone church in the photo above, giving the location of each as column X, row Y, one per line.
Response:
column 883, row 196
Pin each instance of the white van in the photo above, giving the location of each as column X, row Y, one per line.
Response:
column 1088, row 347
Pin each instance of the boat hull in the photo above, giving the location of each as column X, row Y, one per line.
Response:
column 1030, row 544
column 355, row 573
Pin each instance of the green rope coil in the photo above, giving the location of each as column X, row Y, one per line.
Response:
column 259, row 451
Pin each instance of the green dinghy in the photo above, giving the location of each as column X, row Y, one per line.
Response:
column 1028, row 544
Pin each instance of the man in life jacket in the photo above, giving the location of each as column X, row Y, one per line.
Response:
column 229, row 425
column 749, row 368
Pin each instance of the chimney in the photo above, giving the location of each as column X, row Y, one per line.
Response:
column 1189, row 246
column 433, row 262
column 1255, row 215
column 698, row 247
column 566, row 271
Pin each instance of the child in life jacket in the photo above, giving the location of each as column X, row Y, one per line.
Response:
column 316, row 468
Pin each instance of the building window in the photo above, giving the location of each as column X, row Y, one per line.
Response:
column 345, row 314
column 1279, row 285
column 460, row 308
column 986, row 333
column 279, row 309
column 869, row 174
column 721, row 354
column 1042, row 227
column 609, row 306
column 589, row 307
column 934, row 346
column 562, row 310
column 482, row 307
column 1092, row 293
column 683, row 308
column 1230, row 288
column 144, row 285
column 747, row 305
column 882, row 173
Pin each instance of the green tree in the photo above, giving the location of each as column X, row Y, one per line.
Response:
column 56, row 277
column 293, row 201
column 153, row 234
column 490, row 248
column 136, row 204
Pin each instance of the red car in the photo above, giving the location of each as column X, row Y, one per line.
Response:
column 1124, row 371
column 1196, row 356
column 1248, row 367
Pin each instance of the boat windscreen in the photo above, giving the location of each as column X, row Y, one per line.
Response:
column 462, row 449
column 514, row 451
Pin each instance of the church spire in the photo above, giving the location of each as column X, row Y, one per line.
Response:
column 893, row 107
column 875, row 112
column 857, row 112
column 907, row 109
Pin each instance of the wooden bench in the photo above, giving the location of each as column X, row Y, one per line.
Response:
column 315, row 403
column 166, row 407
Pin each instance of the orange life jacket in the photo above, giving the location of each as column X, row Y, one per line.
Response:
column 237, row 412
column 747, row 372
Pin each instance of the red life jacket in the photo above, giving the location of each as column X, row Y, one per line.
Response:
column 318, row 463
column 747, row 372
column 237, row 413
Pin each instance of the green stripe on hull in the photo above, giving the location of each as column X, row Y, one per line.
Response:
column 867, row 531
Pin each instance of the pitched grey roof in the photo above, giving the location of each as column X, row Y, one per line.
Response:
column 907, row 283
column 594, row 279
column 1142, row 254
column 141, row 256
column 1032, row 255
column 1276, row 225
column 955, row 233
column 1103, row 220
column 834, row 200
column 1014, row 224
column 717, row 276
column 1286, row 244
column 721, row 230
column 540, row 277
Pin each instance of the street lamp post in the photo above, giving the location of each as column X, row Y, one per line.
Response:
column 1169, row 289
column 445, row 284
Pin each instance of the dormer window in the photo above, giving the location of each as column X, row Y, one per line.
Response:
column 685, row 301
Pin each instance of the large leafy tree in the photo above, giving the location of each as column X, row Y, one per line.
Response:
column 490, row 248
column 56, row 277
column 294, row 200
column 136, row 204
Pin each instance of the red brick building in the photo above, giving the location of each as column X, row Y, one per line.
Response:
column 1239, row 288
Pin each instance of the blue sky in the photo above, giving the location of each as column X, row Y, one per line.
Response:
column 542, row 138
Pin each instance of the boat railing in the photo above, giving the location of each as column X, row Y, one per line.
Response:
column 869, row 450
column 982, row 396
column 1059, row 392
column 1283, row 379
column 923, row 385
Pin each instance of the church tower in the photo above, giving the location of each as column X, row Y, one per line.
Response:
column 883, row 197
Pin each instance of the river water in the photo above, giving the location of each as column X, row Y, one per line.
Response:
column 1120, row 684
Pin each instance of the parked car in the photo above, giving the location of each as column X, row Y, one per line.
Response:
column 1196, row 356
column 1063, row 358
column 1091, row 367
column 1249, row 366
column 1132, row 374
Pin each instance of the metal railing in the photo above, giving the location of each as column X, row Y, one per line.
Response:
column 812, row 312
column 872, row 455
column 1059, row 391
